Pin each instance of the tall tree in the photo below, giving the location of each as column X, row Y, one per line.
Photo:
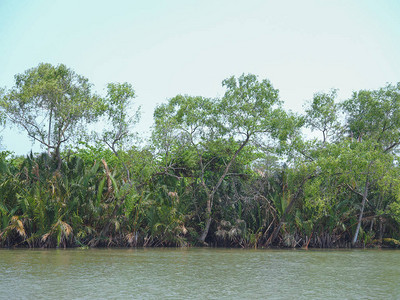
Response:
column 362, row 160
column 249, row 111
column 373, row 120
column 52, row 104
column 118, row 132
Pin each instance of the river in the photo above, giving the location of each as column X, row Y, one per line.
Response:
column 199, row 273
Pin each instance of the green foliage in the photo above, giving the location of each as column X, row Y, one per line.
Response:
column 321, row 114
column 375, row 115
column 52, row 104
column 117, row 108
column 231, row 171
column 250, row 106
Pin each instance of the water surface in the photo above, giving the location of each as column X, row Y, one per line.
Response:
column 199, row 274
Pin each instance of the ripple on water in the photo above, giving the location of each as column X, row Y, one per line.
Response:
column 199, row 273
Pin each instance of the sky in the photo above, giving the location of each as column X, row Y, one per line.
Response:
column 165, row 48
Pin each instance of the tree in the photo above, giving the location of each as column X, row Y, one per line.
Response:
column 362, row 161
column 117, row 105
column 321, row 114
column 373, row 121
column 249, row 112
column 52, row 104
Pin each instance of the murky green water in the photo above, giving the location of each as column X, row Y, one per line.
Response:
column 199, row 274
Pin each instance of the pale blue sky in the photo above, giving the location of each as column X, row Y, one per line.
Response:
column 165, row 48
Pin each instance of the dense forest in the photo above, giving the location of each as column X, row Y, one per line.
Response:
column 234, row 171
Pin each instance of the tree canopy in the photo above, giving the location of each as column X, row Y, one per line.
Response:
column 236, row 170
column 52, row 104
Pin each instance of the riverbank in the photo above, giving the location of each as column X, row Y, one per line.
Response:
column 233, row 171
column 386, row 243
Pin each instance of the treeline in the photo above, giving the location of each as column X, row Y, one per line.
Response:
column 235, row 171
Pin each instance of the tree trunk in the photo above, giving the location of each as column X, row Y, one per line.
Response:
column 49, row 133
column 361, row 213
column 58, row 157
column 210, row 196
column 205, row 231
